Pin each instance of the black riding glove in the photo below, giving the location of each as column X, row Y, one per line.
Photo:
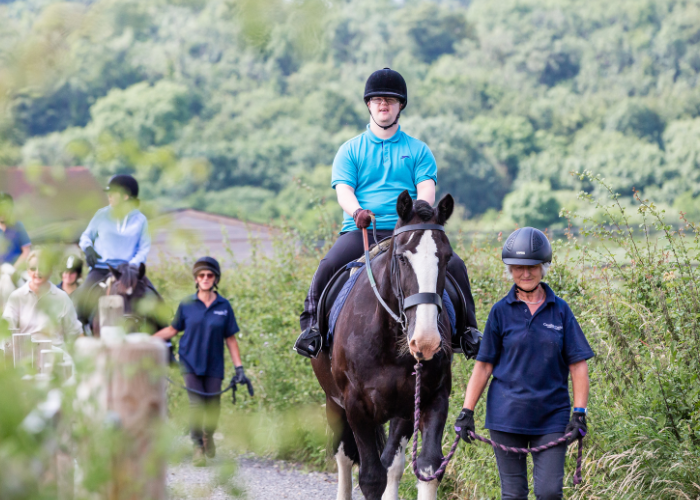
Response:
column 577, row 426
column 91, row 256
column 464, row 424
column 241, row 379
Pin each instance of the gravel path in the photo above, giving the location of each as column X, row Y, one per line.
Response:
column 255, row 479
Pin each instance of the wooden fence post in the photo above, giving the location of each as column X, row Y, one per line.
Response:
column 111, row 310
column 39, row 344
column 136, row 393
column 21, row 347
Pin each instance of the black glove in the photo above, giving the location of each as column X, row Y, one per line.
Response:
column 577, row 426
column 464, row 424
column 240, row 378
column 91, row 256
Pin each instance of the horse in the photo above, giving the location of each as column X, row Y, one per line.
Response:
column 367, row 373
column 141, row 300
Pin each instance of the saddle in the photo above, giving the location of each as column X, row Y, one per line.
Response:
column 340, row 278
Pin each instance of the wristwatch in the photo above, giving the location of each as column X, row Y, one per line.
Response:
column 580, row 410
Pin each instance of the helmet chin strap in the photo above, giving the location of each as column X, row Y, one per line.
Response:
column 527, row 291
column 382, row 126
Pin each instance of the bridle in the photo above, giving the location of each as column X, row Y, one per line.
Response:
column 405, row 303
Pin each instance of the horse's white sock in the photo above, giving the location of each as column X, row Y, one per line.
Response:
column 344, row 474
column 395, row 472
column 427, row 491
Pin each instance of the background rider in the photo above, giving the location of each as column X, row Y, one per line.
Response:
column 71, row 274
column 208, row 321
column 116, row 234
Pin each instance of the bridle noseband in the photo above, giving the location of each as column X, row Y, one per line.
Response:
column 404, row 302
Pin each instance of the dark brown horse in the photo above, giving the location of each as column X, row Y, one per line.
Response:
column 141, row 300
column 368, row 377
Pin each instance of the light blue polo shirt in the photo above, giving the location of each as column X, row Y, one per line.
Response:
column 380, row 170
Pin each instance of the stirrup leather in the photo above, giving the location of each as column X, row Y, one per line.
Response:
column 309, row 343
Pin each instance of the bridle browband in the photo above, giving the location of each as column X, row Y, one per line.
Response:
column 411, row 300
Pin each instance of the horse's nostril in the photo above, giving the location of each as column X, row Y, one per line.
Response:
column 419, row 355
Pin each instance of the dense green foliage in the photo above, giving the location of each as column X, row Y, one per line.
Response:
column 236, row 98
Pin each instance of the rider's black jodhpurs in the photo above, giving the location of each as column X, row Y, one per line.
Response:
column 349, row 247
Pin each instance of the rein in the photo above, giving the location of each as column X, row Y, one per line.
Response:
column 441, row 470
column 412, row 300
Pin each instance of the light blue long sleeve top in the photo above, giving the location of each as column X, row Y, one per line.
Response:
column 117, row 241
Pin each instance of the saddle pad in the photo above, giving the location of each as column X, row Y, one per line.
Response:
column 350, row 283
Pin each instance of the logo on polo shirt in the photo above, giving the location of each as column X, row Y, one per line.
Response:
column 553, row 327
column 221, row 313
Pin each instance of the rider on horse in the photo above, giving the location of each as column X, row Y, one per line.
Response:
column 116, row 234
column 369, row 173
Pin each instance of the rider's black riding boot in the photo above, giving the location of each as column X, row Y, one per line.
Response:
column 309, row 343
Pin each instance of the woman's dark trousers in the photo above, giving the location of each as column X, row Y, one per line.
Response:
column 548, row 473
column 349, row 247
column 204, row 410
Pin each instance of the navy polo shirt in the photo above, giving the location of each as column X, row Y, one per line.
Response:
column 529, row 393
column 12, row 240
column 202, row 345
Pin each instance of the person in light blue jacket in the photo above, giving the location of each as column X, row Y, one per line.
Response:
column 116, row 234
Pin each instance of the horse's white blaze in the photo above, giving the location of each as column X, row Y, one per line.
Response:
column 344, row 474
column 427, row 491
column 425, row 265
column 395, row 472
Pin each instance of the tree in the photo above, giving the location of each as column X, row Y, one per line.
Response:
column 532, row 204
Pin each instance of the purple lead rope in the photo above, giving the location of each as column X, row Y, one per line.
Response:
column 441, row 470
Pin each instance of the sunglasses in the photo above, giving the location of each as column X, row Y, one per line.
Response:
column 205, row 275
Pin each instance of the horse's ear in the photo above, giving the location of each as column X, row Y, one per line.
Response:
column 445, row 208
column 404, row 206
column 117, row 275
column 142, row 271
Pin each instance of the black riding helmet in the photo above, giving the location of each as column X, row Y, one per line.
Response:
column 209, row 264
column 527, row 246
column 125, row 184
column 74, row 264
column 387, row 83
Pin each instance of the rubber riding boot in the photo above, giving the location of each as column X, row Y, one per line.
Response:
column 198, row 458
column 209, row 445
column 309, row 343
column 470, row 341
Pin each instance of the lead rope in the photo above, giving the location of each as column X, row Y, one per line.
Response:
column 441, row 470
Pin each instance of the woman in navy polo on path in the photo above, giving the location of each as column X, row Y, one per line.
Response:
column 208, row 322
column 531, row 343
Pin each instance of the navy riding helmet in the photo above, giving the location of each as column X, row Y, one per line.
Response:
column 209, row 264
column 527, row 246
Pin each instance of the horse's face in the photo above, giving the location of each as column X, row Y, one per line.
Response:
column 422, row 257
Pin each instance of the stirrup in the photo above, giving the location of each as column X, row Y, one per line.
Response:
column 309, row 343
column 470, row 341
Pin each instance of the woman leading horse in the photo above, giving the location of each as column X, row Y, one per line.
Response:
column 367, row 372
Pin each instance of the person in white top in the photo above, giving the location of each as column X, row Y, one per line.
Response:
column 39, row 307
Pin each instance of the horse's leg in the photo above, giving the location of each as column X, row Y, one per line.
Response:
column 394, row 455
column 433, row 419
column 344, row 447
column 370, row 441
